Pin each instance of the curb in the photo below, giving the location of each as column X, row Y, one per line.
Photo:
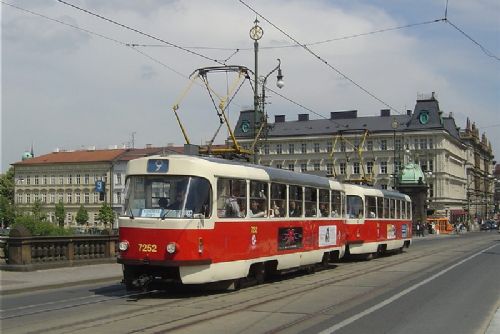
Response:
column 16, row 290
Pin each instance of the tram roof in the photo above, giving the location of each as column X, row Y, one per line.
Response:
column 244, row 168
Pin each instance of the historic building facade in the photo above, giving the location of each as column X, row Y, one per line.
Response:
column 374, row 148
column 70, row 177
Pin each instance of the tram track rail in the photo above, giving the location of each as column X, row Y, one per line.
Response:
column 345, row 271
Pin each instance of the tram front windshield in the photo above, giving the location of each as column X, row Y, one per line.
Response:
column 167, row 196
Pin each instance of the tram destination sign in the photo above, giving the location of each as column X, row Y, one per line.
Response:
column 157, row 165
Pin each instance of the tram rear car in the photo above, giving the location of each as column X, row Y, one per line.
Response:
column 197, row 220
column 377, row 220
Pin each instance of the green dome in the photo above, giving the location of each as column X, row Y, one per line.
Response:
column 411, row 174
column 26, row 155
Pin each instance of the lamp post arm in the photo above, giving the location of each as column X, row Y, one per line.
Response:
column 264, row 84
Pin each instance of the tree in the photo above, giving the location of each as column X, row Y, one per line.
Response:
column 7, row 206
column 60, row 213
column 106, row 214
column 82, row 216
column 37, row 211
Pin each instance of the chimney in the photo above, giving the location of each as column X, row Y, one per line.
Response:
column 451, row 114
column 279, row 118
column 149, row 145
column 303, row 117
column 385, row 112
column 408, row 112
column 344, row 114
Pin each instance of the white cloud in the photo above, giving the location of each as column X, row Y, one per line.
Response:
column 62, row 87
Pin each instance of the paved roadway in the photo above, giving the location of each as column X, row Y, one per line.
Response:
column 440, row 285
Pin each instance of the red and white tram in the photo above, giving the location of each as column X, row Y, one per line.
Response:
column 377, row 220
column 196, row 220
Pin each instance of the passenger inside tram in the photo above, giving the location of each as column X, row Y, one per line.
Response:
column 256, row 210
column 294, row 209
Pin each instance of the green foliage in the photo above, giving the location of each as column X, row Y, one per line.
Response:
column 37, row 211
column 106, row 214
column 7, row 207
column 60, row 213
column 7, row 185
column 37, row 227
column 82, row 216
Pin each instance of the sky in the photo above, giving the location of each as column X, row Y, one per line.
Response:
column 72, row 80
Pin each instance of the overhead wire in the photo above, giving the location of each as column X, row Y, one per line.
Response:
column 140, row 32
column 321, row 59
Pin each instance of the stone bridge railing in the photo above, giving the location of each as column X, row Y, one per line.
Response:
column 24, row 252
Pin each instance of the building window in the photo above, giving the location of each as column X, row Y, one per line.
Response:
column 78, row 179
column 70, row 179
column 303, row 168
column 86, row 198
column 37, row 180
column 61, row 179
column 52, row 179
column 397, row 145
column 369, row 167
column 77, row 197
column 44, row 197
column 329, row 169
column 423, row 165
column 383, row 186
column 96, row 197
column 316, row 147
column 291, row 167
column 28, row 180
column 45, row 179
column 86, row 179
column 431, row 144
column 119, row 178
column 369, row 145
column 342, row 168
column 28, row 198
column 69, row 198
column 329, row 146
column 291, row 149
column 423, row 143
column 61, row 198
column 19, row 198
column 431, row 165
column 415, row 143
column 383, row 167
column 52, row 198
column 316, row 166
column 431, row 190
column 383, row 144
column 342, row 147
column 355, row 168
column 397, row 166
column 279, row 150
column 119, row 198
column 279, row 166
column 303, row 148
column 35, row 197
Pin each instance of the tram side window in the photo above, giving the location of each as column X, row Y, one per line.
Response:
column 408, row 210
column 386, row 208
column 310, row 202
column 336, row 204
column 324, row 203
column 295, row 201
column 371, row 207
column 380, row 207
column 231, row 198
column 343, row 207
column 278, row 200
column 392, row 209
column 354, row 206
column 258, row 199
column 403, row 209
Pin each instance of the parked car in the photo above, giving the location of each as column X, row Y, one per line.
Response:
column 489, row 225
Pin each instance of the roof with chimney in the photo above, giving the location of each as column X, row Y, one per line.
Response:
column 426, row 116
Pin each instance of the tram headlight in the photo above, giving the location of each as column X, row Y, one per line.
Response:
column 123, row 245
column 171, row 248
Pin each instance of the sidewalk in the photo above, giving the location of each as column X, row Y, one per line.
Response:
column 16, row 282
